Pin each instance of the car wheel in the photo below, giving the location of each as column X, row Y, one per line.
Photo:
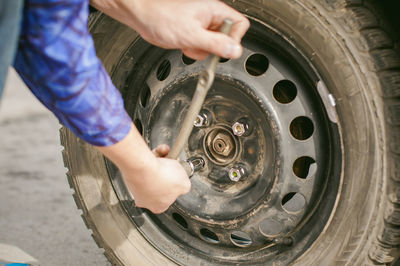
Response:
column 299, row 137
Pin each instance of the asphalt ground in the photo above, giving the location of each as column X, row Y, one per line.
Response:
column 39, row 221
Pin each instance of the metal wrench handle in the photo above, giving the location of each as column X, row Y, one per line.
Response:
column 203, row 85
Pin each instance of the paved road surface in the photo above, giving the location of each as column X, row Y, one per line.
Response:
column 39, row 222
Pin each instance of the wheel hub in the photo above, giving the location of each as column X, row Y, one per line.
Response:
column 220, row 146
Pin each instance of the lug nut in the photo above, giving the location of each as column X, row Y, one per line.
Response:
column 241, row 127
column 201, row 120
column 196, row 163
column 236, row 173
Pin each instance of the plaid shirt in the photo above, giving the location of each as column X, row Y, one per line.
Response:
column 57, row 60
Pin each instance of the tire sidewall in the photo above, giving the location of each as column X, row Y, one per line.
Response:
column 358, row 207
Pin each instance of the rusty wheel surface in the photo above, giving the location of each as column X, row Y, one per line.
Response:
column 291, row 141
column 266, row 140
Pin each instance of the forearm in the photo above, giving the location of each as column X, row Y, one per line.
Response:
column 125, row 11
column 130, row 154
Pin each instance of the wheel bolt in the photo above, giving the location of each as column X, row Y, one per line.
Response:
column 201, row 120
column 236, row 173
column 196, row 163
column 241, row 128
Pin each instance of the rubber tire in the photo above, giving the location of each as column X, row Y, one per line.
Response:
column 357, row 58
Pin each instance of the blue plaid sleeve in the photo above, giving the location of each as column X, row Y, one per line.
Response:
column 57, row 60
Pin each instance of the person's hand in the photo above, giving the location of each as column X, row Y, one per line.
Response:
column 159, row 186
column 154, row 182
column 189, row 25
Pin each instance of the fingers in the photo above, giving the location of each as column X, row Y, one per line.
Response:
column 186, row 186
column 161, row 150
column 208, row 40
column 154, row 209
column 159, row 211
column 241, row 23
column 239, row 29
column 171, row 191
column 162, row 205
column 218, row 44
column 195, row 53
column 240, row 26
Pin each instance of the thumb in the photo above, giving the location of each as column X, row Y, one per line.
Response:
column 161, row 150
column 217, row 43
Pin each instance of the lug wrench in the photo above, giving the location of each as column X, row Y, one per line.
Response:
column 204, row 83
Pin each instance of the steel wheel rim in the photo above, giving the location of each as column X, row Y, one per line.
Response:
column 273, row 223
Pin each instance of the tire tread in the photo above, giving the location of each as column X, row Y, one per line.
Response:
column 78, row 201
column 360, row 20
